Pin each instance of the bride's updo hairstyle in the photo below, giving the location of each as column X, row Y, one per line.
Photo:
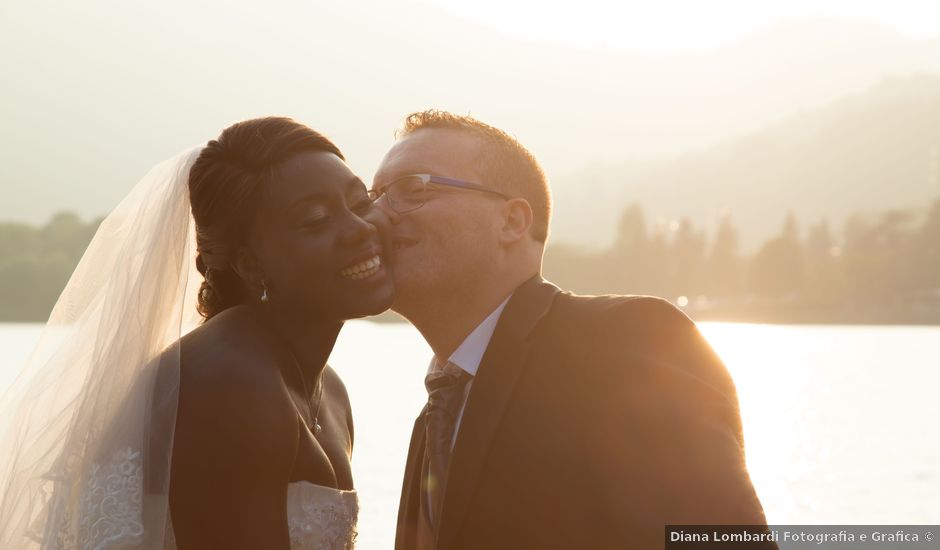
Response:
column 225, row 183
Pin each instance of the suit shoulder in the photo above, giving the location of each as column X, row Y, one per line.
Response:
column 645, row 314
column 645, row 343
column 637, row 330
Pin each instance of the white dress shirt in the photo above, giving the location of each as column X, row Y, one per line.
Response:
column 469, row 353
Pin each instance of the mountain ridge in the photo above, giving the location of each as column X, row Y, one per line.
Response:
column 868, row 151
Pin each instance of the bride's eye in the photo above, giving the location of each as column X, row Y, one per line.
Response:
column 314, row 223
column 313, row 218
column 362, row 204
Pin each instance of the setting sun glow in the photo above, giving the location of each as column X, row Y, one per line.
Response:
column 678, row 25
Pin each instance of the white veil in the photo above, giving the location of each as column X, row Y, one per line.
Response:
column 86, row 429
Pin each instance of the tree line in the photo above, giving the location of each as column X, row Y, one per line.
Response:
column 878, row 268
column 36, row 263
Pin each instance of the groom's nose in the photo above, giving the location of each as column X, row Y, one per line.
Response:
column 382, row 203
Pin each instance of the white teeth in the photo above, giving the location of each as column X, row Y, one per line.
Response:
column 362, row 270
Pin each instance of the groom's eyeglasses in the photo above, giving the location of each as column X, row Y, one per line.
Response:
column 409, row 193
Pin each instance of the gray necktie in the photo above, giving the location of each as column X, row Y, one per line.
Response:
column 446, row 389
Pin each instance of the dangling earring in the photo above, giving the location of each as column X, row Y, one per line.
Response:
column 264, row 293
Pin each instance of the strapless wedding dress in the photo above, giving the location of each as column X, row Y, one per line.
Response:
column 112, row 512
column 321, row 517
column 318, row 517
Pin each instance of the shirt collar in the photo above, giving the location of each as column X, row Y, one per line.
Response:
column 470, row 352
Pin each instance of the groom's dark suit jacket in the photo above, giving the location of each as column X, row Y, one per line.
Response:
column 593, row 421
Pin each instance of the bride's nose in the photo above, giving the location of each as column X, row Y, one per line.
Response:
column 356, row 229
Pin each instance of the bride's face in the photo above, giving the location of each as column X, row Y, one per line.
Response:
column 320, row 242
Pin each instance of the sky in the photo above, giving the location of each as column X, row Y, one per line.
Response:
column 679, row 25
column 96, row 94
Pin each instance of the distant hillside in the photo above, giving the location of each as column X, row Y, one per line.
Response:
column 871, row 151
column 95, row 95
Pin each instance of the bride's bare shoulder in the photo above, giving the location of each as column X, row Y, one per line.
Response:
column 228, row 335
column 233, row 409
column 229, row 350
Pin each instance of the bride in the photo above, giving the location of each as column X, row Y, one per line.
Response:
column 129, row 429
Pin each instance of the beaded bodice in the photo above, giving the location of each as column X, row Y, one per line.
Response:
column 110, row 512
column 318, row 517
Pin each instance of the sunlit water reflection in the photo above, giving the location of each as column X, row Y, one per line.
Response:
column 840, row 422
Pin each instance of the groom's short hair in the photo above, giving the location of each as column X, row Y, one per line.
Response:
column 503, row 163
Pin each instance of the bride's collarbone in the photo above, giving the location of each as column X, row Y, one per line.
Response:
column 323, row 459
column 228, row 350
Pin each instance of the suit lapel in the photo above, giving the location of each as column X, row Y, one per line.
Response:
column 500, row 369
column 408, row 507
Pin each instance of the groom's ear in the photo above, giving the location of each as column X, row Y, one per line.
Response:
column 517, row 220
column 248, row 268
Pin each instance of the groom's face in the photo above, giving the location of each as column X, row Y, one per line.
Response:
column 444, row 247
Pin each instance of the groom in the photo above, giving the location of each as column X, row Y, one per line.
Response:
column 554, row 420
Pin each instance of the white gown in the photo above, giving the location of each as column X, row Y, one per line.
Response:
column 112, row 513
column 318, row 517
column 321, row 517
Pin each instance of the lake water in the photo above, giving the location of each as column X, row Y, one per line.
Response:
column 840, row 422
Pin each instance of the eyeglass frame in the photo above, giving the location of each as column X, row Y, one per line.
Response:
column 439, row 180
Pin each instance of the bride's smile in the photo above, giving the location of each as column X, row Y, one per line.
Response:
column 364, row 270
